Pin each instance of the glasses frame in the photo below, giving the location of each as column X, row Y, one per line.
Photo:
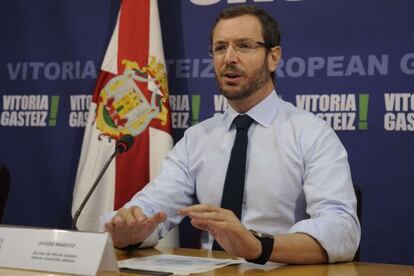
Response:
column 258, row 44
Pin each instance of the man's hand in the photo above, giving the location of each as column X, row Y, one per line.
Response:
column 131, row 226
column 226, row 229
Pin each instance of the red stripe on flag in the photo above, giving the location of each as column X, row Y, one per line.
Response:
column 133, row 43
column 132, row 168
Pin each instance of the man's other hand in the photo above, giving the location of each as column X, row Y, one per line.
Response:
column 226, row 229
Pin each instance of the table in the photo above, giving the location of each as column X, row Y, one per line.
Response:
column 341, row 269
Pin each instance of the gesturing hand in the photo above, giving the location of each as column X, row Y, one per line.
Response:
column 226, row 229
column 131, row 226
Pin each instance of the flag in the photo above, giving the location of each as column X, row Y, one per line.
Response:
column 131, row 97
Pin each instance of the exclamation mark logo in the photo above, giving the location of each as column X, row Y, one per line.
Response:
column 363, row 111
column 195, row 109
column 54, row 105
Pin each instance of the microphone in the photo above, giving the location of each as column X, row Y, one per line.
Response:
column 122, row 145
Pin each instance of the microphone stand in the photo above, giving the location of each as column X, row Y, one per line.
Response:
column 78, row 212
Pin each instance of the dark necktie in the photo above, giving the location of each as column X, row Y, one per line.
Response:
column 233, row 190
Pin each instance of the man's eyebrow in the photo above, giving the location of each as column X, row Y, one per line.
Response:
column 243, row 39
column 220, row 42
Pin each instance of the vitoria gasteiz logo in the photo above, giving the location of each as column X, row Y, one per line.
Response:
column 28, row 110
column 212, row 2
column 342, row 111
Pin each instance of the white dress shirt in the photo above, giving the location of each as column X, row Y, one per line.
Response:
column 297, row 177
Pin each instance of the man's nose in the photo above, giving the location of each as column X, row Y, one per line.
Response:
column 231, row 55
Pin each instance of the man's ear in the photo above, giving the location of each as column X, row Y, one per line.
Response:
column 274, row 57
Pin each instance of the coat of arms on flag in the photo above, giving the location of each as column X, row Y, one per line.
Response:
column 123, row 108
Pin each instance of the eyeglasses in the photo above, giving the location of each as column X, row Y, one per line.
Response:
column 242, row 47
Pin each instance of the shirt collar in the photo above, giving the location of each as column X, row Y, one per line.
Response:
column 263, row 113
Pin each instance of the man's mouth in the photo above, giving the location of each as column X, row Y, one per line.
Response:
column 231, row 76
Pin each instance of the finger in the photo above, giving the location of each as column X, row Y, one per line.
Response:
column 118, row 221
column 109, row 227
column 211, row 216
column 224, row 225
column 199, row 208
column 214, row 228
column 138, row 214
column 153, row 222
column 160, row 217
column 126, row 215
column 200, row 224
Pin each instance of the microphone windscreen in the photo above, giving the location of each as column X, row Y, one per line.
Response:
column 124, row 143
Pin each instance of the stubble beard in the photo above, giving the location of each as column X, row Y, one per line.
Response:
column 257, row 80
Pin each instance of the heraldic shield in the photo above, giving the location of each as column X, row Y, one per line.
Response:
column 123, row 108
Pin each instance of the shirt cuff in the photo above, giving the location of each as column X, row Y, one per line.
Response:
column 339, row 243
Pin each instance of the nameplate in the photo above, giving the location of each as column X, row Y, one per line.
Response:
column 62, row 251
